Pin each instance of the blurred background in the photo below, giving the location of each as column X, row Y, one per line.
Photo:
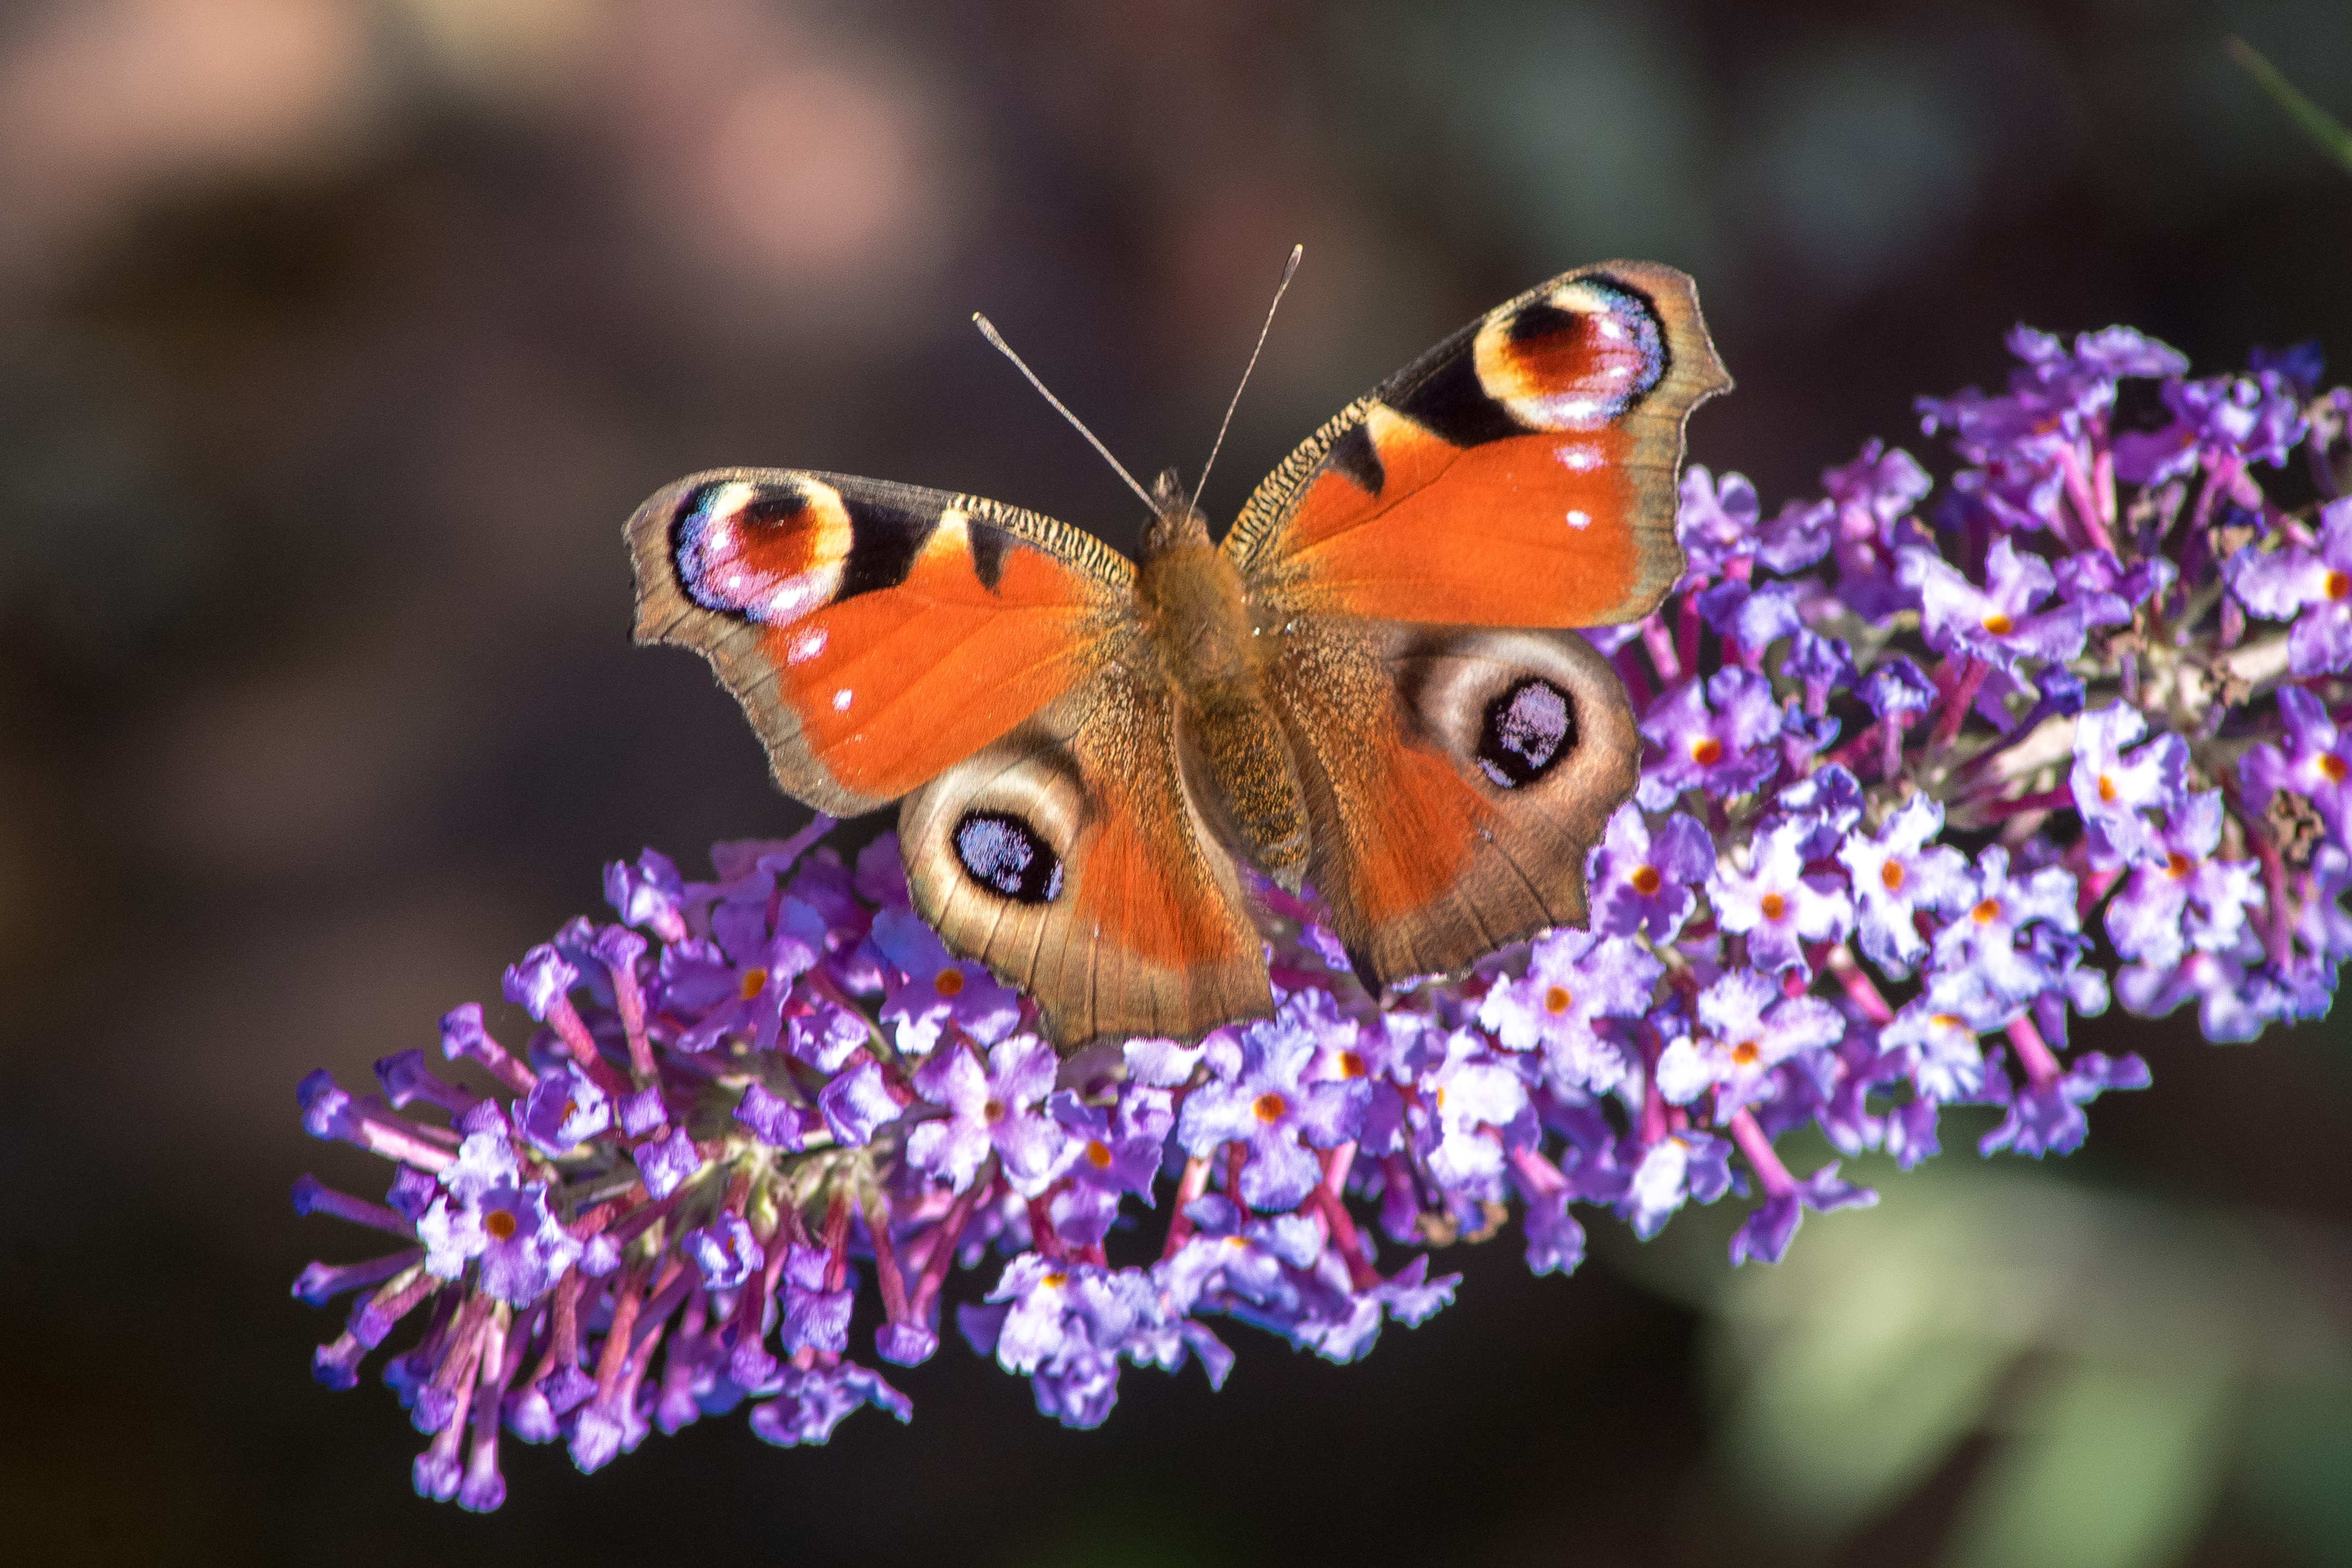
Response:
column 338, row 337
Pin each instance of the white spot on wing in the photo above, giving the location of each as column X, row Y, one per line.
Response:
column 1579, row 520
column 806, row 645
column 1578, row 458
column 841, row 699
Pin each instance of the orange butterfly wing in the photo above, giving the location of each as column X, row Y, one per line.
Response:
column 1519, row 474
column 973, row 660
column 1422, row 555
column 875, row 632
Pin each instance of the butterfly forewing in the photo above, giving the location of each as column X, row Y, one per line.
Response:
column 1519, row 474
column 875, row 632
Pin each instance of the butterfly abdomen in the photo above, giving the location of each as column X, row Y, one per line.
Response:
column 1191, row 601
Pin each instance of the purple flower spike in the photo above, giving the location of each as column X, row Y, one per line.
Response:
column 1986, row 938
column 1573, row 978
column 1776, row 904
column 994, row 1108
column 1996, row 623
column 1680, row 1167
column 1722, row 750
column 1796, row 536
column 1821, row 664
column 2228, row 1011
column 666, row 1165
column 1748, row 1026
column 572, row 1265
column 2316, row 764
column 2145, row 920
column 1899, row 873
column 810, row 1404
column 1715, row 523
column 1263, row 1104
column 929, row 990
column 2313, row 588
column 1765, row 1235
column 1874, row 495
column 2112, row 790
column 1473, row 1096
column 725, row 1251
column 1645, row 882
column 1898, row 691
column 2048, row 1119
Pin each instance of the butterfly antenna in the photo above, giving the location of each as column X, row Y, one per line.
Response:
column 988, row 329
column 1288, row 268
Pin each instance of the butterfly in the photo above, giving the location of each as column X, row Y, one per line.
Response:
column 1371, row 685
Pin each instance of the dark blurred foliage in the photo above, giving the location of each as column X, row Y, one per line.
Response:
column 338, row 340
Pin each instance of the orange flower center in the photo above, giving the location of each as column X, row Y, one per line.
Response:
column 1352, row 1065
column 499, row 1224
column 2106, row 790
column 2333, row 766
column 2176, row 866
column 1055, row 1281
column 1747, row 1053
column 1706, row 751
column 1945, row 1020
column 1269, row 1108
column 993, row 1110
column 1999, row 625
column 947, row 981
column 2339, row 585
column 1558, row 1000
column 754, row 982
column 1773, row 905
column 1646, row 880
column 1099, row 1154
column 1985, row 913
column 1892, row 875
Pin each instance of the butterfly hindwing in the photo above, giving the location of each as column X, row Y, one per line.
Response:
column 1070, row 858
column 875, row 632
column 1521, row 473
column 1456, row 776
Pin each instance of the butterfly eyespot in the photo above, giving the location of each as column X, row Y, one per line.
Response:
column 1005, row 856
column 1528, row 730
column 768, row 554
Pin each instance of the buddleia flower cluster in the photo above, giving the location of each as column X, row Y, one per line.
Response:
column 1930, row 771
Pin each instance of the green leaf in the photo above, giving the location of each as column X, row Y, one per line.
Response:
column 2325, row 130
column 2116, row 1468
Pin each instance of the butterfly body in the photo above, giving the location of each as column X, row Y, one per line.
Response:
column 1369, row 685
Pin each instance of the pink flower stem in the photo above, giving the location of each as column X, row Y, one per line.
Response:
column 2018, row 805
column 1637, row 684
column 1859, row 987
column 1957, row 699
column 565, row 1020
column 1350, row 1246
column 943, row 1245
column 1336, row 1163
column 1686, row 628
column 1042, row 1234
column 2041, row 1064
column 885, row 1262
column 1654, row 637
column 1539, row 1176
column 1191, row 1185
column 1761, row 1157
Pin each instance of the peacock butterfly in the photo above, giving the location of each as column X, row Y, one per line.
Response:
column 1371, row 684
